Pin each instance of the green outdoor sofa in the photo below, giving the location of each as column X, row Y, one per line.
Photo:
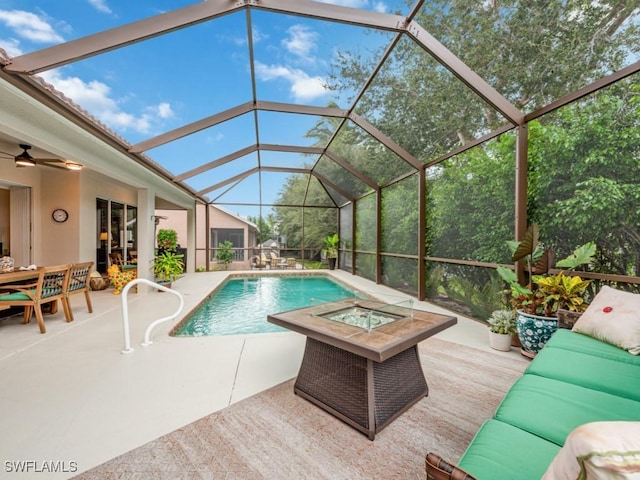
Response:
column 574, row 380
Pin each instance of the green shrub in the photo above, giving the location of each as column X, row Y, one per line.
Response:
column 224, row 255
column 481, row 300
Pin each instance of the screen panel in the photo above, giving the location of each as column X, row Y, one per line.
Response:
column 400, row 217
column 471, row 203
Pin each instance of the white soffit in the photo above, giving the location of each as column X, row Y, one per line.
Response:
column 23, row 117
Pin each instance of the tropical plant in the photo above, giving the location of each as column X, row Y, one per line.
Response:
column 331, row 244
column 545, row 293
column 503, row 322
column 224, row 255
column 167, row 265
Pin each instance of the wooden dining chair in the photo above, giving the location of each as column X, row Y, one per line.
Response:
column 115, row 258
column 79, row 283
column 50, row 286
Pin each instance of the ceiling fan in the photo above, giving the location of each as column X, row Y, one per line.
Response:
column 24, row 159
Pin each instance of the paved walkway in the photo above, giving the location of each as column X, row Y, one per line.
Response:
column 72, row 399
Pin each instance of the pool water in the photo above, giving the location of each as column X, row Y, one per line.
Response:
column 241, row 305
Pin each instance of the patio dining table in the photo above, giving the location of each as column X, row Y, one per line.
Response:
column 22, row 276
column 17, row 276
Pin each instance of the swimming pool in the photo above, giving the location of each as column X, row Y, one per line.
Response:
column 241, row 305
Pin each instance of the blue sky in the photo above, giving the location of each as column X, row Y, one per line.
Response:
column 155, row 86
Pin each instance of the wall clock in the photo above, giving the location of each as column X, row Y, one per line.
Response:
column 60, row 215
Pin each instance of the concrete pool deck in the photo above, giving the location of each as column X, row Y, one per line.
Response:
column 70, row 396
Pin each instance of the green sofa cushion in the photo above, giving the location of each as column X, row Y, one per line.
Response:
column 603, row 374
column 577, row 342
column 500, row 451
column 551, row 408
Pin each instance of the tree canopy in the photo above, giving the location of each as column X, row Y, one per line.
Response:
column 583, row 159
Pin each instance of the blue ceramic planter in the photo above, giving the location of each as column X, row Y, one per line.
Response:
column 534, row 331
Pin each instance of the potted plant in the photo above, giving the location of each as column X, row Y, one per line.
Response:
column 224, row 255
column 502, row 327
column 168, row 265
column 537, row 303
column 331, row 244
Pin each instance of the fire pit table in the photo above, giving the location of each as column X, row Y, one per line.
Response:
column 361, row 361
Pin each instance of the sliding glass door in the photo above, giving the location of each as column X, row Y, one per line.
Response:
column 116, row 232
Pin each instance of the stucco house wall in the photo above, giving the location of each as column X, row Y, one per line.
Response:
column 218, row 218
column 53, row 243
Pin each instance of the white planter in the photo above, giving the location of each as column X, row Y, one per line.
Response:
column 500, row 341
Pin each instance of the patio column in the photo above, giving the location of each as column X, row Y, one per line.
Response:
column 146, row 231
column 191, row 239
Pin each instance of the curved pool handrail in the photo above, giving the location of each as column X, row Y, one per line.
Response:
column 125, row 312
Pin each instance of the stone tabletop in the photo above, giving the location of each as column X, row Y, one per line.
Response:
column 379, row 344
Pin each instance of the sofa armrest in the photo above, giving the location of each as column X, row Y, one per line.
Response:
column 440, row 469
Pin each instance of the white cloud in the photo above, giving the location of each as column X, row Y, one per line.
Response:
column 303, row 87
column 257, row 35
column 301, row 40
column 12, row 47
column 306, row 88
column 380, row 7
column 377, row 5
column 95, row 97
column 241, row 40
column 164, row 110
column 217, row 138
column 28, row 25
column 348, row 3
column 100, row 5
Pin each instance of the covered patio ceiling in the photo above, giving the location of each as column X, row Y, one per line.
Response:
column 228, row 99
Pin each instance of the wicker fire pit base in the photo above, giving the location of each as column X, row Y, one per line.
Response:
column 367, row 395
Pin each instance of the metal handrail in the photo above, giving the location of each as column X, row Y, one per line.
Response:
column 125, row 312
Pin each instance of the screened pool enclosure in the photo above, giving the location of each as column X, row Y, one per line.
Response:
column 426, row 134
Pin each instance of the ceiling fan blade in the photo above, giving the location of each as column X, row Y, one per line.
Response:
column 48, row 160
column 52, row 162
